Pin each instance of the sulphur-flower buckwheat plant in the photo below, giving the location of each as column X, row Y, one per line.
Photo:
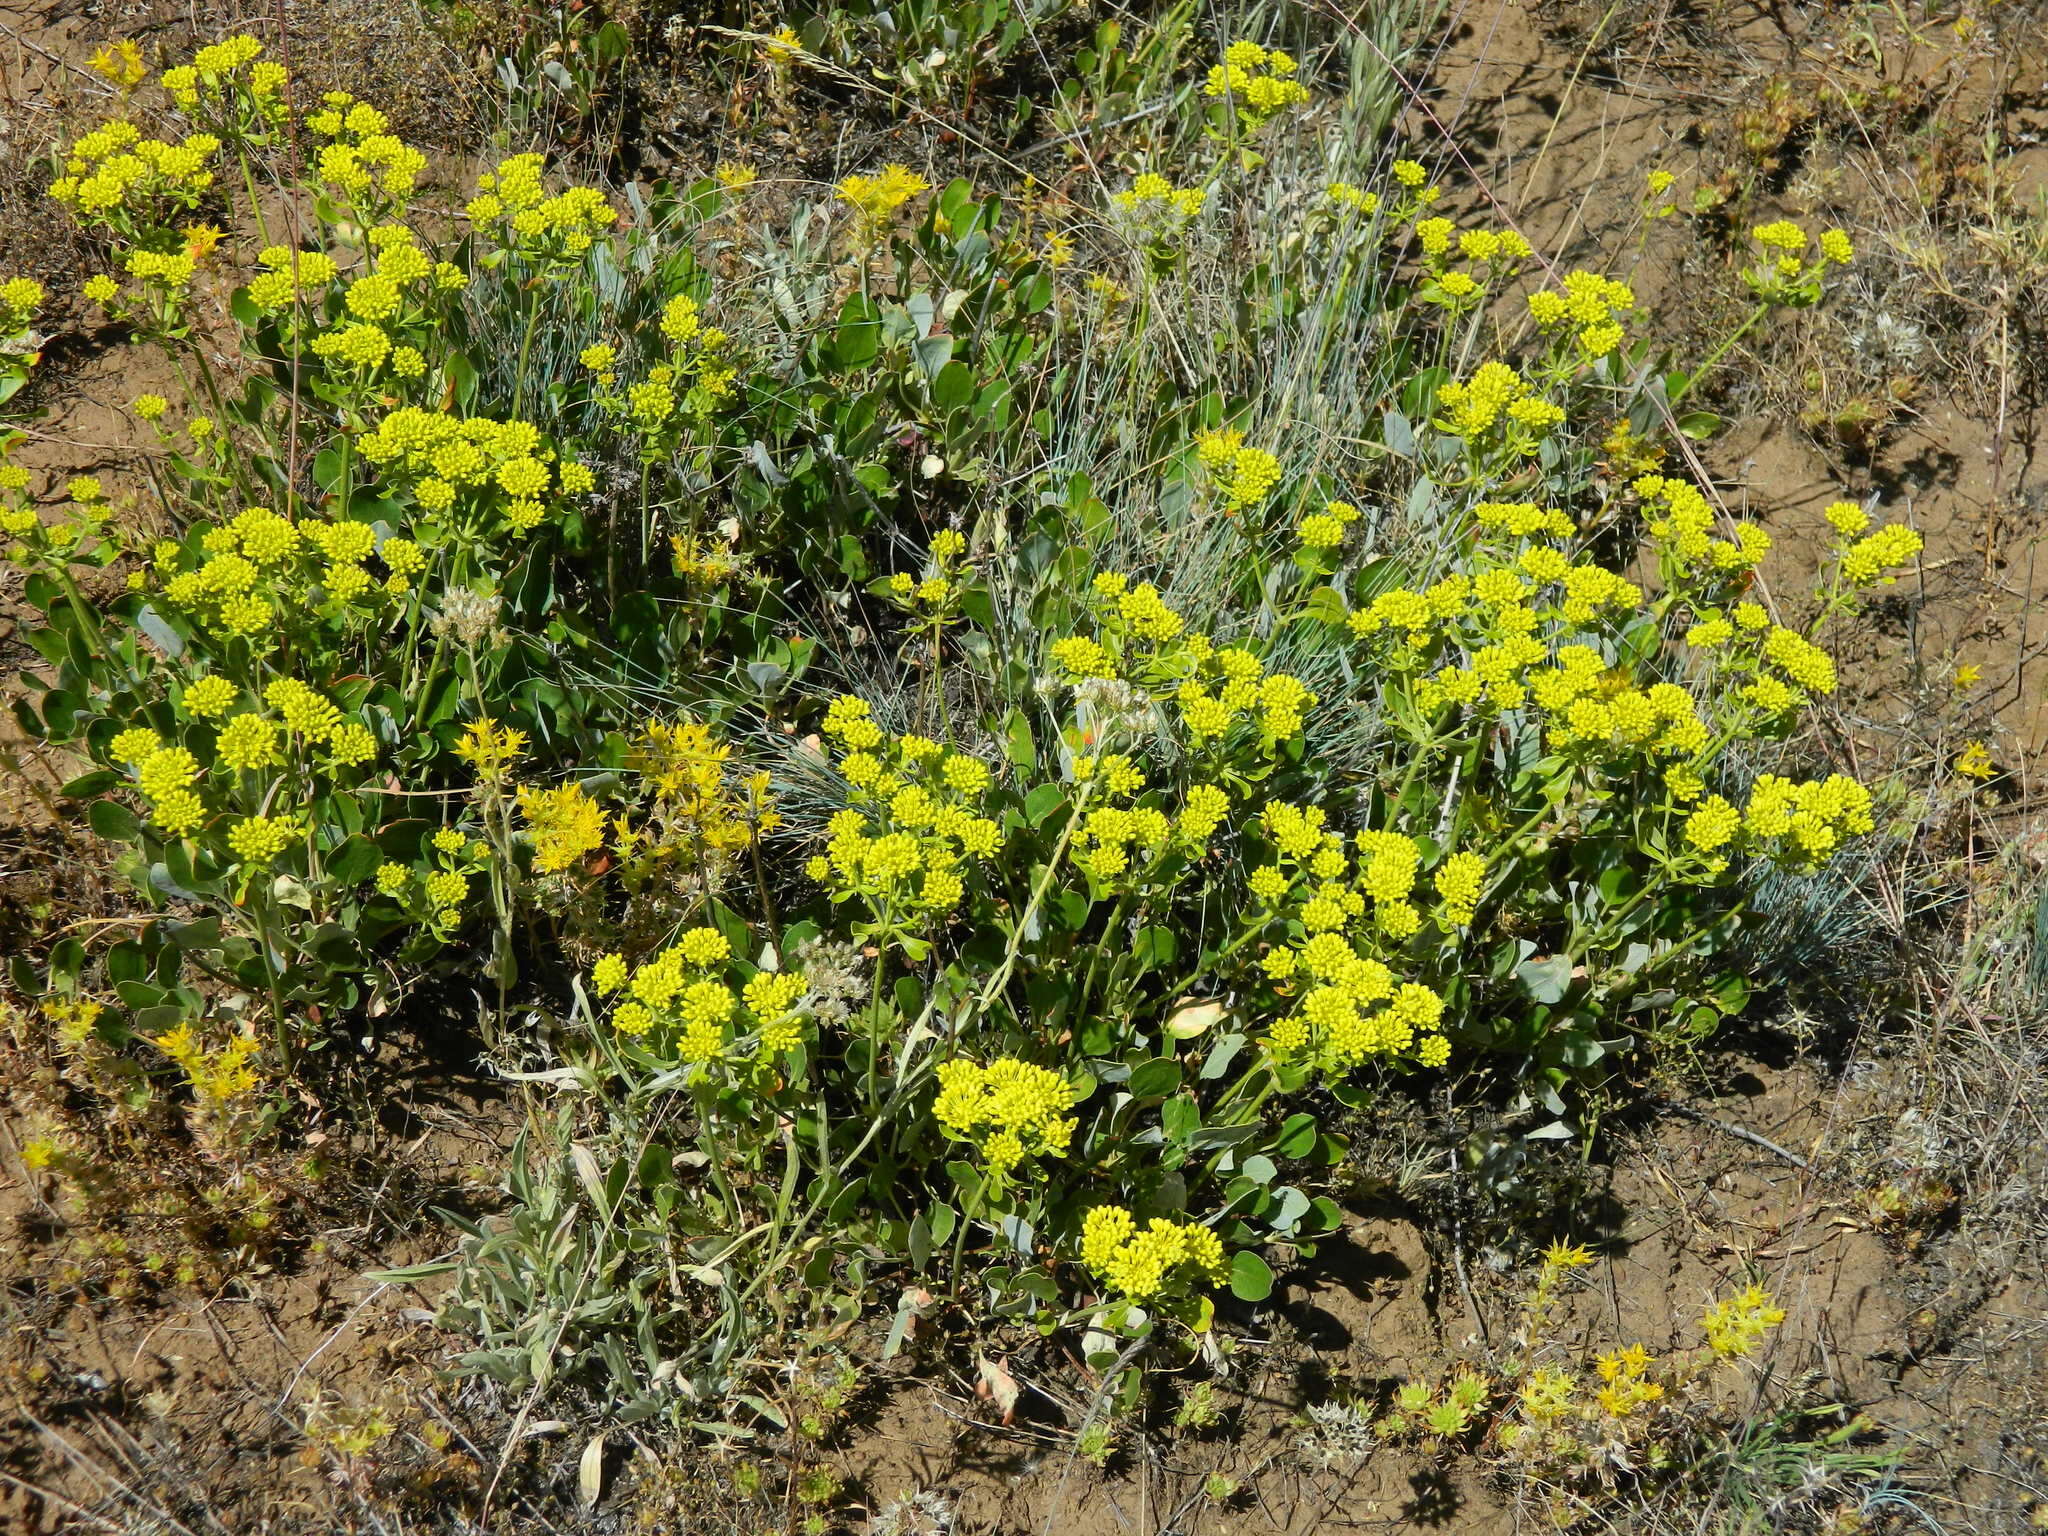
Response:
column 945, row 792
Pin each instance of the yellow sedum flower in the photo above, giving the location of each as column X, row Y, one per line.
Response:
column 564, row 825
column 1735, row 1327
column 874, row 199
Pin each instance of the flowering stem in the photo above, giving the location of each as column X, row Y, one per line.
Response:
column 525, row 346
column 1026, row 921
column 219, row 414
column 1251, row 932
column 426, row 686
column 1718, row 353
column 88, row 616
column 875, row 1025
column 646, row 524
column 1116, row 918
column 970, row 1207
column 255, row 206
column 1422, row 750
column 275, row 983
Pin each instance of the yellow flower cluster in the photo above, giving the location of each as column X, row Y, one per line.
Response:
column 363, row 160
column 170, row 776
column 211, row 79
column 259, row 561
column 1872, row 560
column 681, row 998
column 119, row 64
column 912, row 819
column 1126, row 613
column 1590, row 713
column 1522, row 520
column 1245, row 476
column 1151, row 198
column 1103, row 842
column 165, row 775
column 218, row 1077
column 1789, row 240
column 1258, row 82
column 1347, row 195
column 1785, row 272
column 1736, row 1326
column 1589, row 306
column 1325, row 529
column 1459, row 881
column 442, row 877
column 1009, row 1110
column 1808, row 819
column 1494, row 395
column 697, row 378
column 1506, row 663
column 1680, row 519
column 1499, row 253
column 564, row 823
column 1492, row 679
column 875, row 198
column 1229, row 685
column 256, row 840
column 684, row 765
column 1798, row 823
column 1625, row 1382
column 490, row 464
column 1352, row 1005
column 115, row 178
column 1142, row 1263
column 1802, row 668
column 289, row 274
column 20, row 298
column 515, row 208
column 1409, row 195
column 490, row 749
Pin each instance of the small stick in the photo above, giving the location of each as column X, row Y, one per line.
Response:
column 1738, row 1132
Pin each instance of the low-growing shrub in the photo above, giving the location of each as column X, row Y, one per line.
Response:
column 1185, row 783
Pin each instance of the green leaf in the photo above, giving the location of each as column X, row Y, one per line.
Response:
column 67, row 959
column 87, row 785
column 1221, row 1055
column 1155, row 1079
column 1546, row 980
column 953, row 387
column 1325, row 605
column 412, row 1272
column 920, row 1244
column 733, row 926
column 1251, row 1277
column 1018, row 745
column 1042, row 802
column 355, row 861
column 1297, row 1137
column 1617, row 885
column 1154, row 946
column 112, row 820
